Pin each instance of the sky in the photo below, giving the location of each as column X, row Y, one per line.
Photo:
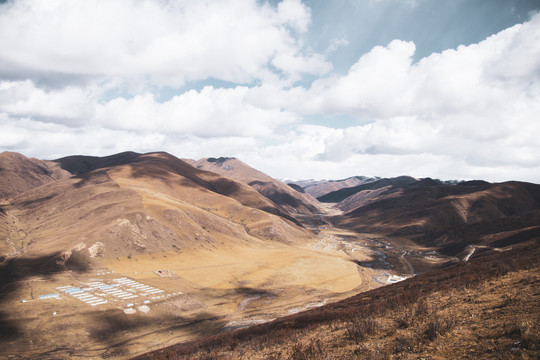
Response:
column 447, row 89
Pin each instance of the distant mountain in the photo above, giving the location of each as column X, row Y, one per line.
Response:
column 129, row 203
column 317, row 188
column 291, row 200
column 448, row 216
column 342, row 194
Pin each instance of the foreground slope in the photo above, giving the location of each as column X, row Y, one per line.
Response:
column 291, row 200
column 483, row 309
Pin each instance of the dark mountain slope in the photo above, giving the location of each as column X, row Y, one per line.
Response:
column 451, row 216
column 342, row 194
column 157, row 164
column 317, row 188
column 80, row 164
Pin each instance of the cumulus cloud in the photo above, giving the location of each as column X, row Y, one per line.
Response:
column 84, row 77
column 482, row 79
column 69, row 105
column 208, row 113
column 478, row 104
column 164, row 43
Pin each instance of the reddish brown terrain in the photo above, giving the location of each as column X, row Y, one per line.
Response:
column 454, row 218
column 18, row 173
column 112, row 257
column 163, row 252
column 487, row 308
column 139, row 202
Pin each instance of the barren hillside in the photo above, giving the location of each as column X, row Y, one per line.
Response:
column 19, row 173
column 142, row 204
column 132, row 252
column 277, row 191
column 112, row 257
column 451, row 217
column 318, row 188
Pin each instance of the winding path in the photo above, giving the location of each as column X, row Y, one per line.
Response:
column 409, row 265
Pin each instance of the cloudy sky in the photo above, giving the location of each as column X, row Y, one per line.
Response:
column 448, row 89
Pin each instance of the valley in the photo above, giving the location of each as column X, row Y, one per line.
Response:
column 113, row 257
column 210, row 291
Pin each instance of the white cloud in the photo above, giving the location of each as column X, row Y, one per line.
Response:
column 164, row 43
column 50, row 141
column 478, row 105
column 470, row 112
column 294, row 13
column 208, row 113
column 22, row 98
column 501, row 73
column 335, row 44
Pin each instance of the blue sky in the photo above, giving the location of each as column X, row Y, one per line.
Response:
column 315, row 89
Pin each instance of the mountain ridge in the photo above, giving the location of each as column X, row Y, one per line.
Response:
column 242, row 248
column 277, row 191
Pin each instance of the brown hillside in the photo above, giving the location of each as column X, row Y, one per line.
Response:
column 280, row 193
column 119, row 206
column 447, row 216
column 80, row 164
column 19, row 173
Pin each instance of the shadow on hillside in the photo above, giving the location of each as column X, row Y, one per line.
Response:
column 155, row 172
column 91, row 178
column 39, row 201
column 116, row 330
column 521, row 237
column 13, row 274
column 375, row 264
column 219, row 185
column 393, row 299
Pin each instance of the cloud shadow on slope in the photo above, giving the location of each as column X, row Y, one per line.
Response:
column 15, row 271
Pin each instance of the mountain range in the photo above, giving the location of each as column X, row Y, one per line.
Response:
column 243, row 248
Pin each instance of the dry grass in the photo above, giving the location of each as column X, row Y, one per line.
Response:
column 488, row 308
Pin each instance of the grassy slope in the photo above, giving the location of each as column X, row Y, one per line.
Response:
column 482, row 309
